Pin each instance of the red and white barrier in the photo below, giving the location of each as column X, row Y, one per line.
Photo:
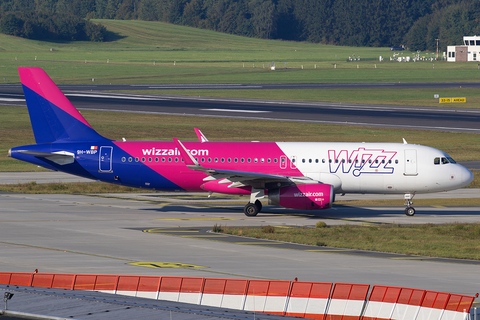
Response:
column 347, row 301
column 309, row 299
column 312, row 300
column 408, row 304
column 381, row 303
column 458, row 307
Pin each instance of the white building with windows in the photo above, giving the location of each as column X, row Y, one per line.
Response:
column 467, row 52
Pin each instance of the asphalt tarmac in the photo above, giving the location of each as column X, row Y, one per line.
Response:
column 132, row 234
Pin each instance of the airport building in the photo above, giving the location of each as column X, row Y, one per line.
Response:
column 469, row 51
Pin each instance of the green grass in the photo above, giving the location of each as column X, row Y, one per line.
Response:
column 203, row 56
column 454, row 240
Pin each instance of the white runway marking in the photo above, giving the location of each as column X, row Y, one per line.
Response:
column 236, row 110
column 11, row 99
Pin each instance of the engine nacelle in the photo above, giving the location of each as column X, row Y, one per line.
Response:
column 303, row 196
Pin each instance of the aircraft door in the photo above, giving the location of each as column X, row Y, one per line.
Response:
column 105, row 159
column 410, row 162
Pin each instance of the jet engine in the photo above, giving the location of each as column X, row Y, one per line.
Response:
column 303, row 196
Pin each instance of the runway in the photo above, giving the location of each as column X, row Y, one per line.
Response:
column 407, row 117
column 104, row 234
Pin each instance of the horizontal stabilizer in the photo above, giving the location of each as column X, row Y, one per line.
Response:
column 59, row 157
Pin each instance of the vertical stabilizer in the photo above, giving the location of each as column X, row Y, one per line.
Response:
column 52, row 115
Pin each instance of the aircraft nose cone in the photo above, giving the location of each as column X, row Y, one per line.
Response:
column 467, row 176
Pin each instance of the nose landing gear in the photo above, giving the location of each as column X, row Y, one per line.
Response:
column 409, row 210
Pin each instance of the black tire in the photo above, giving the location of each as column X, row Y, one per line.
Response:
column 259, row 205
column 250, row 210
column 410, row 211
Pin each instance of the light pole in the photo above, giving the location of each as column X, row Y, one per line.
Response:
column 437, row 48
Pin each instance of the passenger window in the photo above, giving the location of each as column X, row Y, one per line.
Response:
column 349, row 160
column 343, row 160
column 130, row 159
column 249, row 160
column 123, row 159
column 396, row 161
column 163, row 159
column 229, row 160
column 316, row 160
column 262, row 160
column 275, row 160
column 303, row 160
column 156, row 160
column 255, row 160
column 235, row 160
column 222, row 160
column 176, row 159
column 149, row 159
column 136, row 159
column 269, row 160
column 169, row 159
column 336, row 160
column 143, row 159
column 242, row 160
column 436, row 160
column 323, row 160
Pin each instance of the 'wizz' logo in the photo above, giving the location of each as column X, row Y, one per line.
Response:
column 361, row 161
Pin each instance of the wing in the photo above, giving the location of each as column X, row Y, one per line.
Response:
column 238, row 179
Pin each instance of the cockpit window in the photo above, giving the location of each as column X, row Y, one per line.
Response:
column 436, row 161
column 444, row 160
column 451, row 160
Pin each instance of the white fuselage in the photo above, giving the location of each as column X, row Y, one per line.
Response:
column 377, row 167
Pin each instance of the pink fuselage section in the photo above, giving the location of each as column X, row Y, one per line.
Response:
column 165, row 159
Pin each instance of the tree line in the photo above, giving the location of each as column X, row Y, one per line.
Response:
column 415, row 23
column 45, row 26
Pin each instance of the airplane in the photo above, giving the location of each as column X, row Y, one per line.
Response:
column 297, row 175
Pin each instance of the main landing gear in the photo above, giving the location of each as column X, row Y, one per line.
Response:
column 254, row 206
column 409, row 210
column 252, row 209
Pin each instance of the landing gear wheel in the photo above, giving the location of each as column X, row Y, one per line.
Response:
column 259, row 205
column 410, row 211
column 251, row 210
